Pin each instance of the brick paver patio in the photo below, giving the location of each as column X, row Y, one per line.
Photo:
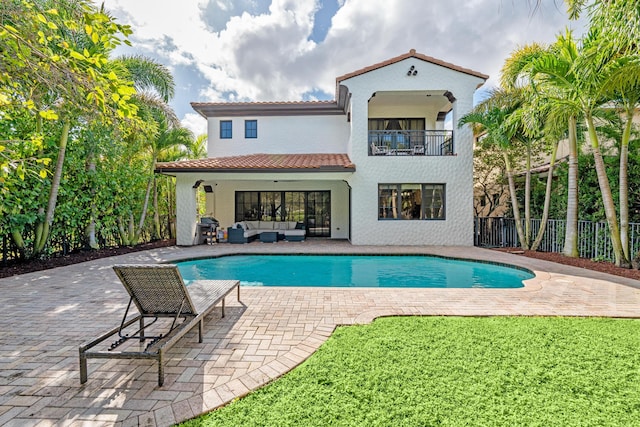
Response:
column 46, row 315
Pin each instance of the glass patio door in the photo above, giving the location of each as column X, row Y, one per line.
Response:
column 318, row 215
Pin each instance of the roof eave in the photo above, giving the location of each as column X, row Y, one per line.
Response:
column 207, row 110
column 322, row 169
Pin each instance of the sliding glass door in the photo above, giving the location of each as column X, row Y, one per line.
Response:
column 311, row 208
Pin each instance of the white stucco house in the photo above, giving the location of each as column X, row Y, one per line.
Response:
column 383, row 164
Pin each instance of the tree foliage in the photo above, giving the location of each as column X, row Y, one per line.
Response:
column 594, row 83
column 73, row 126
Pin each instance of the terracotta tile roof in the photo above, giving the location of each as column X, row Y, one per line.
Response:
column 412, row 54
column 263, row 163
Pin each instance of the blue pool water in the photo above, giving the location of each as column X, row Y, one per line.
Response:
column 354, row 271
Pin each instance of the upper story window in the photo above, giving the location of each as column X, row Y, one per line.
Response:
column 250, row 128
column 226, row 129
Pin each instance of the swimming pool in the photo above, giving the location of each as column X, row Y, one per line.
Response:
column 360, row 271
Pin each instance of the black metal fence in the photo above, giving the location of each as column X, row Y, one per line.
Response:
column 593, row 237
column 411, row 142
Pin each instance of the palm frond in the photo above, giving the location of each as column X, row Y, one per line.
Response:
column 516, row 68
column 148, row 75
column 157, row 108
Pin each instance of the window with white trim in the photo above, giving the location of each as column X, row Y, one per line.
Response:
column 250, row 128
column 226, row 129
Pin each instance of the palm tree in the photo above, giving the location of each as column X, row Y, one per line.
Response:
column 625, row 87
column 149, row 77
column 619, row 21
column 597, row 65
column 198, row 148
column 490, row 117
column 531, row 129
column 615, row 46
column 155, row 86
column 550, row 71
column 163, row 148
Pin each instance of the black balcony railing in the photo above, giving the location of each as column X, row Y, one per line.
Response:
column 410, row 142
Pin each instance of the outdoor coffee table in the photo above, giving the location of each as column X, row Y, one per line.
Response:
column 269, row 236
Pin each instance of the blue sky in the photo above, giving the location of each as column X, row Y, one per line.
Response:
column 288, row 50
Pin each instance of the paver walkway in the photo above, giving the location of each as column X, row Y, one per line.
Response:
column 46, row 315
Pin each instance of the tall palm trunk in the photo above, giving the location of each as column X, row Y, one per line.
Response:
column 624, row 185
column 43, row 235
column 143, row 215
column 91, row 227
column 527, row 197
column 607, row 197
column 156, row 214
column 547, row 200
column 571, row 231
column 514, row 202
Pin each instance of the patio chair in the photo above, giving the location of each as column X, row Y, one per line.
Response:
column 379, row 150
column 418, row 150
column 157, row 291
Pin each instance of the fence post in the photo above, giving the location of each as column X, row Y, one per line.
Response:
column 597, row 249
column 476, row 234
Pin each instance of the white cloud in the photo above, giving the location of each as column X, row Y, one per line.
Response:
column 258, row 54
column 265, row 53
column 195, row 122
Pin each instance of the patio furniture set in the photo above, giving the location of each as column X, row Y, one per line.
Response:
column 266, row 231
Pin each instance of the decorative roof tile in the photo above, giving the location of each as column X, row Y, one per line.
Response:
column 263, row 163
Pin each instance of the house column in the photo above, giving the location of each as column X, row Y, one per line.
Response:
column 186, row 210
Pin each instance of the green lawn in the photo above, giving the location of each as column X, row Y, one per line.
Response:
column 452, row 371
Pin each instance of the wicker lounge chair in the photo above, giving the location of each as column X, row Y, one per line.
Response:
column 157, row 291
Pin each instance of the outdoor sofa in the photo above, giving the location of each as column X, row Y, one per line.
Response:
column 248, row 231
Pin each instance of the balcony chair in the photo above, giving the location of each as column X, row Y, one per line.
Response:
column 417, row 150
column 379, row 150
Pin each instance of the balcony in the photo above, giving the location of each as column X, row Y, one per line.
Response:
column 410, row 143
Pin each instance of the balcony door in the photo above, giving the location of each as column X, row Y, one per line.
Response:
column 395, row 134
column 396, row 124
